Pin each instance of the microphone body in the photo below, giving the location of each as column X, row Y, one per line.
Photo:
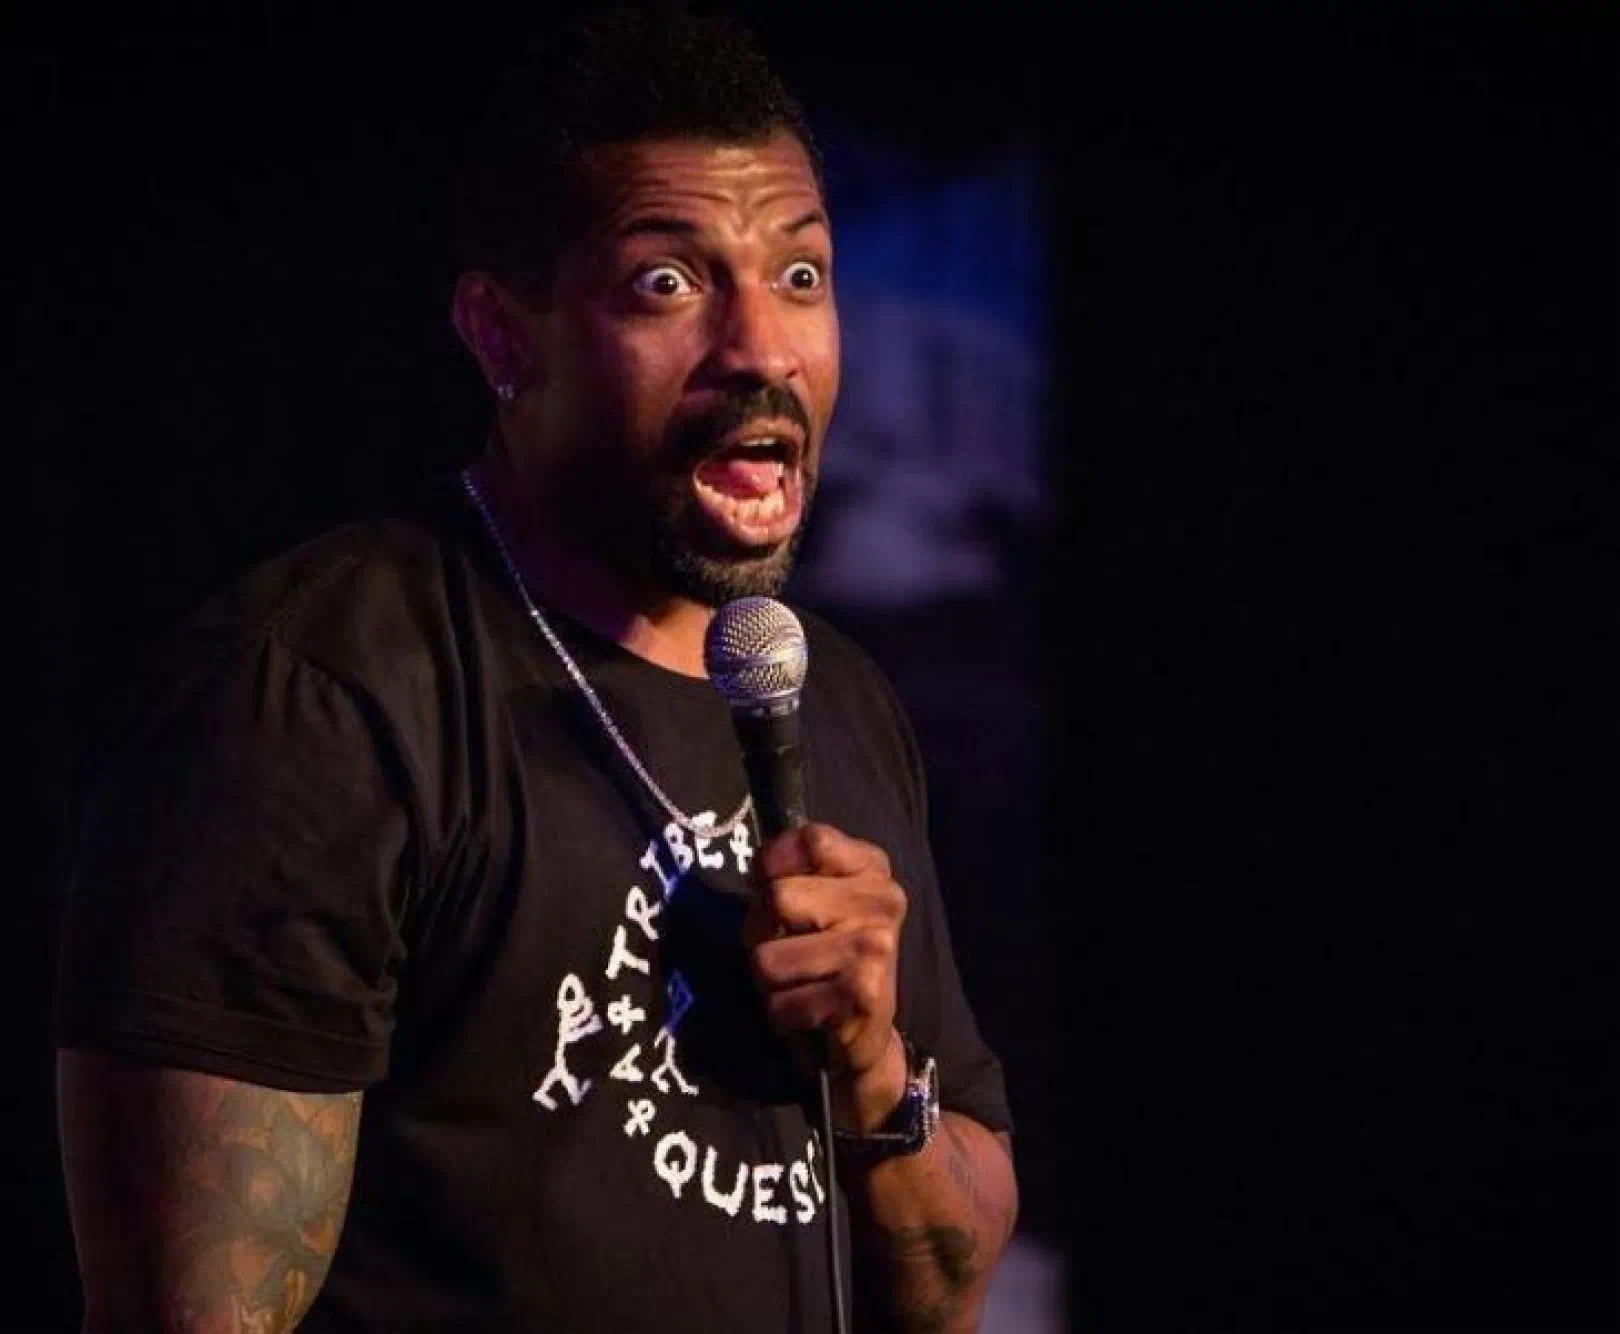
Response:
column 773, row 759
column 756, row 655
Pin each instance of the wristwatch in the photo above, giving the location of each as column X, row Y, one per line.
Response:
column 909, row 1127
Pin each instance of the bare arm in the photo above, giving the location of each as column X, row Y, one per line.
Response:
column 823, row 935
column 929, row 1228
column 200, row 1205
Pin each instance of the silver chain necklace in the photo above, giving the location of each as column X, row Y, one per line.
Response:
column 704, row 828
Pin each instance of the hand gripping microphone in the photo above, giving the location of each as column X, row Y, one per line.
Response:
column 756, row 657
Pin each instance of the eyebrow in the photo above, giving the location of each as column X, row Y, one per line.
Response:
column 811, row 218
column 662, row 225
column 656, row 226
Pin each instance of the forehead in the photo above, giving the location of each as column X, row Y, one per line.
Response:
column 724, row 185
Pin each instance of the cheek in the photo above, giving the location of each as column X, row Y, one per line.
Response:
column 820, row 358
column 641, row 373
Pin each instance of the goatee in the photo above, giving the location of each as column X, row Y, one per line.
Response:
column 678, row 565
column 686, row 557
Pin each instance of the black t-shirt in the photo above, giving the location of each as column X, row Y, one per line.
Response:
column 364, row 833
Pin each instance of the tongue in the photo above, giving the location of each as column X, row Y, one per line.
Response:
column 740, row 476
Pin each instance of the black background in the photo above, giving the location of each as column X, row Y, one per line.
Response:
column 1343, row 447
column 1329, row 885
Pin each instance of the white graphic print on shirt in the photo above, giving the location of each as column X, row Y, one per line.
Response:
column 675, row 1156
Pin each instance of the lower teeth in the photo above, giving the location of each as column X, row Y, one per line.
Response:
column 751, row 511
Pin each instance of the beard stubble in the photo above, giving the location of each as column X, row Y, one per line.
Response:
column 649, row 525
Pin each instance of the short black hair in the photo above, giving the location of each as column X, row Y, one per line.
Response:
column 611, row 76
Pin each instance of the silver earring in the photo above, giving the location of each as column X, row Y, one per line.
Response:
column 506, row 391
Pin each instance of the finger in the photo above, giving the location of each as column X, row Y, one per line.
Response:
column 824, row 903
column 819, row 849
column 794, row 960
column 760, row 922
column 810, row 1005
column 858, row 1031
column 803, row 903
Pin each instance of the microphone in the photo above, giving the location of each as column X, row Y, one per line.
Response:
column 756, row 656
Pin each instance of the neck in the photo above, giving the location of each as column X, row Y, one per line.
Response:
column 558, row 572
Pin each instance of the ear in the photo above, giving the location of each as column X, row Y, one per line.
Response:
column 492, row 323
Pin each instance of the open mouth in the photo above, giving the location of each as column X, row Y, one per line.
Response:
column 751, row 488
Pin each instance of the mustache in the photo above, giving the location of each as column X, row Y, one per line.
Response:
column 699, row 435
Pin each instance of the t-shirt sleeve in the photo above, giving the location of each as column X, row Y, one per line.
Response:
column 935, row 1014
column 934, row 1010
column 238, row 880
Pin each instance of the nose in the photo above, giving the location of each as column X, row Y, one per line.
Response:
column 752, row 339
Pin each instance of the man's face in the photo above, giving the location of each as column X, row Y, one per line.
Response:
column 688, row 363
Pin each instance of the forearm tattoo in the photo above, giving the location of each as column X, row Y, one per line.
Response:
column 211, row 1204
column 959, row 1163
column 928, row 1307
column 925, row 1273
column 265, row 1187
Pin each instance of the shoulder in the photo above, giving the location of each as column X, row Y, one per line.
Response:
column 845, row 682
column 359, row 596
column 831, row 650
column 372, row 609
column 372, row 603
column 839, row 665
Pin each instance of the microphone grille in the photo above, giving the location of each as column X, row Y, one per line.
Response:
column 755, row 652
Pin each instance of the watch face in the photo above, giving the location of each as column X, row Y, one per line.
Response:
column 930, row 1100
column 910, row 1126
column 919, row 1109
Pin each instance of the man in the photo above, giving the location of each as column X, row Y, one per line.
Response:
column 422, row 969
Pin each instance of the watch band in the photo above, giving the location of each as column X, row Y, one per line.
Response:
column 909, row 1127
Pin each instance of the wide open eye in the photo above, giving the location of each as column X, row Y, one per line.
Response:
column 662, row 280
column 803, row 275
